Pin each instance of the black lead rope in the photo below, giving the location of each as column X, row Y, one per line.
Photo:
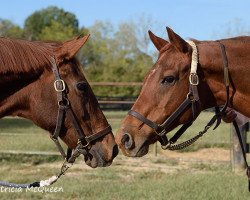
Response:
column 14, row 185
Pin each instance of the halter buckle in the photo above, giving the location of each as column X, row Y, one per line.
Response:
column 193, row 79
column 59, row 85
column 79, row 142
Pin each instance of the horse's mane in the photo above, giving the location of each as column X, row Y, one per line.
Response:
column 20, row 56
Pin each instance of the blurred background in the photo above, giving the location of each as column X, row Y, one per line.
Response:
column 119, row 49
column 115, row 60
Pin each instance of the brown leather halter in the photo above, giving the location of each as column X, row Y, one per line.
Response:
column 64, row 107
column 84, row 142
column 192, row 100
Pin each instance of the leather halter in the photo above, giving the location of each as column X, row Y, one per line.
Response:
column 84, row 142
column 64, row 107
column 192, row 100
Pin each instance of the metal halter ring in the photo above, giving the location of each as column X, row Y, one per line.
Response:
column 61, row 83
column 64, row 102
column 190, row 96
column 193, row 79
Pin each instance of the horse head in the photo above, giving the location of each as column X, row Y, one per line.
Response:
column 164, row 89
column 36, row 96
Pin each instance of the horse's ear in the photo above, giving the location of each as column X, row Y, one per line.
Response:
column 68, row 49
column 179, row 43
column 157, row 41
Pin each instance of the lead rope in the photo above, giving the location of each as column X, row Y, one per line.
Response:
column 183, row 145
column 42, row 183
column 68, row 163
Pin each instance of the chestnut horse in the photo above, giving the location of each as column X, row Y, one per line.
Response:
column 167, row 85
column 28, row 71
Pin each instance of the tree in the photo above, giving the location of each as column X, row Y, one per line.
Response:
column 56, row 32
column 115, row 56
column 42, row 24
column 236, row 27
column 8, row 29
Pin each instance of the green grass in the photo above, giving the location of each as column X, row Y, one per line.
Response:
column 115, row 118
column 17, row 125
column 122, row 180
column 17, row 134
column 22, row 135
column 119, row 183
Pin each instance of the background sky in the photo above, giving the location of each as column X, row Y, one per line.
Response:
column 199, row 19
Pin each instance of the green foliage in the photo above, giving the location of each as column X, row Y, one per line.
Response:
column 43, row 22
column 8, row 29
column 56, row 31
column 115, row 56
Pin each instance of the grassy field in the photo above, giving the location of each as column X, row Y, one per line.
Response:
column 16, row 134
column 161, row 177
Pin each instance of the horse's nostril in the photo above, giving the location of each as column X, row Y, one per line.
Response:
column 125, row 138
column 115, row 151
column 127, row 141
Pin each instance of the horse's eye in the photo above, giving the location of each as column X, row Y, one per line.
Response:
column 168, row 80
column 82, row 86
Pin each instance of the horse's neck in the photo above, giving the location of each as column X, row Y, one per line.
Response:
column 15, row 93
column 238, row 56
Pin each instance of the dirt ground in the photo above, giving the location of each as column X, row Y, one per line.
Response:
column 171, row 162
column 203, row 155
column 166, row 162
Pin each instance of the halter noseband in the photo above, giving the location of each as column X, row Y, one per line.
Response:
column 64, row 107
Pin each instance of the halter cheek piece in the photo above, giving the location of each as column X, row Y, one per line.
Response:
column 192, row 100
column 84, row 142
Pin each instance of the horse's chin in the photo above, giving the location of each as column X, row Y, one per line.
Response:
column 94, row 160
column 142, row 150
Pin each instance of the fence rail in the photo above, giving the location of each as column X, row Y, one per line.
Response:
column 116, row 84
column 116, row 102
